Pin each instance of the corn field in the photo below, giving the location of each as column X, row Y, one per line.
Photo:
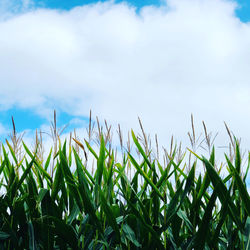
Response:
column 134, row 202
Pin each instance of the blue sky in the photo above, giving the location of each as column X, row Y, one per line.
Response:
column 71, row 4
column 33, row 121
column 243, row 11
column 110, row 59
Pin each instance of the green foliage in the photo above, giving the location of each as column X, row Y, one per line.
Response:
column 158, row 207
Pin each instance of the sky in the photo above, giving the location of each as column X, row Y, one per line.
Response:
column 159, row 60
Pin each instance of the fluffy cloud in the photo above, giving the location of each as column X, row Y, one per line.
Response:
column 162, row 64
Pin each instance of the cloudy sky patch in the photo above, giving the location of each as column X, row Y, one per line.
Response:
column 161, row 62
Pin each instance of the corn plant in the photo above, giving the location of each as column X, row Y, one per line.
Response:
column 158, row 206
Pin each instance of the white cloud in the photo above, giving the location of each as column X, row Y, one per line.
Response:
column 161, row 64
column 3, row 130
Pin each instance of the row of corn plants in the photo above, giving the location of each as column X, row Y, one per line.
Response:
column 158, row 206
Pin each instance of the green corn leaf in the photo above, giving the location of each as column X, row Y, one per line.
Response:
column 222, row 191
column 172, row 208
column 155, row 200
column 137, row 199
column 198, row 184
column 164, row 175
column 81, row 168
column 32, row 186
column 99, row 170
column 204, row 186
column 26, row 172
column 221, row 220
column 91, row 150
column 145, row 176
column 160, row 167
column 205, row 223
column 63, row 230
column 46, row 165
column 70, row 180
column 37, row 164
column 73, row 215
column 12, row 152
column 109, row 215
column 248, row 166
column 237, row 156
column 3, row 235
column 178, row 198
column 88, row 202
column 170, row 189
column 56, row 183
column 39, row 178
column 212, row 156
column 182, row 214
column 130, row 235
column 147, row 226
column 241, row 187
column 100, row 162
column 109, row 184
column 32, row 241
column 41, row 194
column 140, row 149
column 177, row 167
column 64, row 150
column 65, row 194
